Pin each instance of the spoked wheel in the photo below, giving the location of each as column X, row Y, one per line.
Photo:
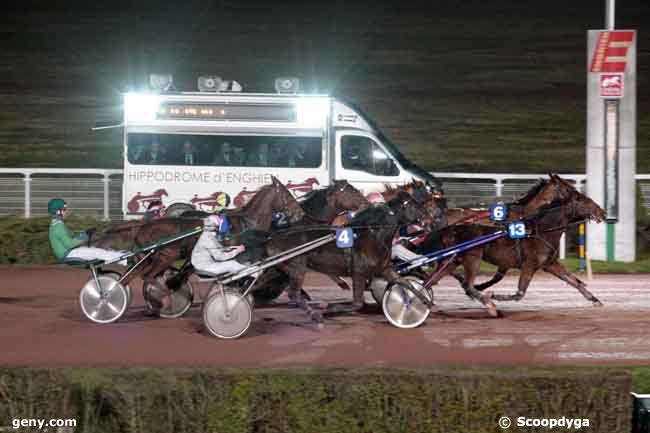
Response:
column 227, row 315
column 403, row 308
column 106, row 304
column 181, row 298
column 116, row 275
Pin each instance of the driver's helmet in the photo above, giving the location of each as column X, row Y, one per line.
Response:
column 222, row 201
column 55, row 205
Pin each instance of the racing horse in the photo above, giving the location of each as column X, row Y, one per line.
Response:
column 371, row 255
column 540, row 250
column 256, row 216
column 543, row 192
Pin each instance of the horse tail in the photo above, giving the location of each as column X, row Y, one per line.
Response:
column 495, row 279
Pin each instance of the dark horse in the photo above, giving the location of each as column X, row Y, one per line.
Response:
column 538, row 251
column 370, row 256
column 256, row 216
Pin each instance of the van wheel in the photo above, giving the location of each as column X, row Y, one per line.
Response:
column 270, row 286
column 177, row 209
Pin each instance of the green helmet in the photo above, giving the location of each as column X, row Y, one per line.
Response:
column 55, row 205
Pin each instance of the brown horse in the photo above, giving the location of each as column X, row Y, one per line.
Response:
column 370, row 256
column 256, row 215
column 538, row 251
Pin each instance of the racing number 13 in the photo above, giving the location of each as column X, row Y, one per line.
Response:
column 517, row 230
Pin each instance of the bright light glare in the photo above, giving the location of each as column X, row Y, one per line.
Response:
column 141, row 106
column 312, row 111
column 378, row 154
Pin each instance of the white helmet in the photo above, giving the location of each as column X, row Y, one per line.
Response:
column 212, row 223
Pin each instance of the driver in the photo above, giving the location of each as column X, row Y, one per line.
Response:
column 66, row 245
column 209, row 255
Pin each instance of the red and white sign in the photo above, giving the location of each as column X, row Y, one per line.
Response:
column 611, row 85
column 610, row 54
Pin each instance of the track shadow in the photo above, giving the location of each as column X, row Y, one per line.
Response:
column 18, row 300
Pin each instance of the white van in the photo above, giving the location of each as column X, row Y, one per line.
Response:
column 191, row 148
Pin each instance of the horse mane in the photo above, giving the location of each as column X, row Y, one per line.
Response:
column 532, row 192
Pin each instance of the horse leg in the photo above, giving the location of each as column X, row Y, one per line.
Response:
column 296, row 272
column 498, row 276
column 359, row 286
column 472, row 266
column 527, row 272
column 559, row 271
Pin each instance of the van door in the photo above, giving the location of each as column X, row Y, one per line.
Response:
column 364, row 162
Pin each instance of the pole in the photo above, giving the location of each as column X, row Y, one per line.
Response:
column 610, row 14
column 581, row 246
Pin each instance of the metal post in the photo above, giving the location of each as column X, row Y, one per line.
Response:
column 499, row 187
column 28, row 194
column 610, row 14
column 107, row 181
column 581, row 246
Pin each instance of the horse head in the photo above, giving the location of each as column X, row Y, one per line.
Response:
column 408, row 210
column 583, row 207
column 160, row 193
column 341, row 196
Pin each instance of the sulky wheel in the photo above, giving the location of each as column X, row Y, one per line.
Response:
column 116, row 275
column 181, row 297
column 227, row 315
column 106, row 304
column 402, row 308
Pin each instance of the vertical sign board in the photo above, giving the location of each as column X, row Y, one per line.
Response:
column 611, row 140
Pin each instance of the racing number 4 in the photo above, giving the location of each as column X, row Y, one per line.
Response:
column 344, row 238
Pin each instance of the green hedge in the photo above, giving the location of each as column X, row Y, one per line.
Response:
column 445, row 400
column 25, row 241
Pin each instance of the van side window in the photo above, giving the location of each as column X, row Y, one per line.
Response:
column 363, row 154
column 224, row 151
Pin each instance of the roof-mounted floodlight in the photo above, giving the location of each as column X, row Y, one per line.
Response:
column 230, row 86
column 161, row 82
column 209, row 83
column 287, row 85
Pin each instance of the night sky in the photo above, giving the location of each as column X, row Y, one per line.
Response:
column 454, row 82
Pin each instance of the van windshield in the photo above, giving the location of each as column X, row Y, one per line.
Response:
column 395, row 152
column 223, row 150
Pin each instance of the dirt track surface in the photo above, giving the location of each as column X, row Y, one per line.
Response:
column 41, row 324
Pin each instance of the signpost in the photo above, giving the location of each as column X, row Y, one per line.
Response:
column 611, row 138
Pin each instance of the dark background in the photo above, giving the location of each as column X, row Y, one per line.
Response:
column 469, row 85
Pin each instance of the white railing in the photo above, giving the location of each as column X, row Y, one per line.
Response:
column 98, row 191
column 80, row 185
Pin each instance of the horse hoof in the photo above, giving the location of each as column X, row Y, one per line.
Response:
column 492, row 310
column 320, row 326
column 317, row 317
column 597, row 303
